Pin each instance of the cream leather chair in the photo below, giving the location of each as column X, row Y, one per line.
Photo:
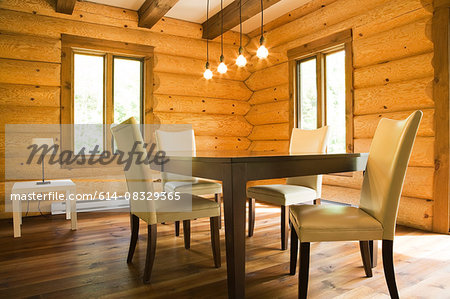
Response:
column 139, row 179
column 183, row 142
column 376, row 216
column 297, row 189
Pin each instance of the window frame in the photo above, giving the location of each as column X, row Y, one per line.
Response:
column 319, row 49
column 71, row 45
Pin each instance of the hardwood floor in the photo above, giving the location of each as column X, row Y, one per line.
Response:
column 51, row 261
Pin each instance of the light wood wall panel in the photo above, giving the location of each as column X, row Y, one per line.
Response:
column 405, row 69
column 271, row 94
column 269, row 113
column 29, row 72
column 29, row 95
column 272, row 76
column 210, row 125
column 197, row 86
column 186, row 104
column 270, row 132
column 405, row 95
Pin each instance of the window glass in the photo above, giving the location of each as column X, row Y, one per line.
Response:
column 335, row 101
column 88, row 102
column 308, row 94
column 127, row 89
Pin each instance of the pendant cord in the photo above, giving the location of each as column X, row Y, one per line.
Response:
column 240, row 24
column 207, row 31
column 221, row 36
column 262, row 18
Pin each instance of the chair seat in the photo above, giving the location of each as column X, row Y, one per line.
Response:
column 201, row 208
column 334, row 223
column 201, row 187
column 282, row 195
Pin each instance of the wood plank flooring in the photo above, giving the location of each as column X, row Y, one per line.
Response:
column 51, row 261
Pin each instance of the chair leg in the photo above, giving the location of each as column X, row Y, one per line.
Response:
column 177, row 228
column 134, row 220
column 303, row 275
column 294, row 251
column 187, row 233
column 215, row 240
column 388, row 265
column 251, row 216
column 317, row 201
column 151, row 250
column 365, row 255
column 218, row 199
column 284, row 226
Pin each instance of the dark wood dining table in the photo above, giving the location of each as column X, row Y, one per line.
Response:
column 235, row 169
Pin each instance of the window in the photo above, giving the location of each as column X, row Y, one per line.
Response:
column 322, row 81
column 103, row 82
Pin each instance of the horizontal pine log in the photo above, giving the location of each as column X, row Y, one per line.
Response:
column 269, row 95
column 29, row 47
column 386, row 12
column 395, row 14
column 269, row 113
column 422, row 154
column 276, row 146
column 208, row 125
column 221, row 143
column 365, row 125
column 163, row 43
column 405, row 41
column 29, row 95
column 405, row 69
column 270, row 132
column 88, row 12
column 27, row 72
column 192, row 66
column 401, row 96
column 30, row 115
column 185, row 104
column 269, row 77
column 178, row 84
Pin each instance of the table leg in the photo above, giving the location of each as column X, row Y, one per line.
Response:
column 17, row 218
column 73, row 210
column 234, row 199
column 68, row 206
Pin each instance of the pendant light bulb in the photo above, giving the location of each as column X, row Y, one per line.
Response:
column 241, row 61
column 262, row 50
column 222, row 68
column 207, row 74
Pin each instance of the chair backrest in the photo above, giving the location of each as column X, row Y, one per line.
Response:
column 138, row 175
column 176, row 143
column 386, row 168
column 308, row 142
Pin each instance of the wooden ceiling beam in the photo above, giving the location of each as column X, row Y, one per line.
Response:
column 153, row 10
column 250, row 8
column 65, row 6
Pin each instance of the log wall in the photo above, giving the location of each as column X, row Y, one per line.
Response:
column 393, row 74
column 30, row 66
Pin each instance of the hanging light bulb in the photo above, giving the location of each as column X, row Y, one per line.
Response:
column 222, row 68
column 241, row 61
column 208, row 74
column 262, row 51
